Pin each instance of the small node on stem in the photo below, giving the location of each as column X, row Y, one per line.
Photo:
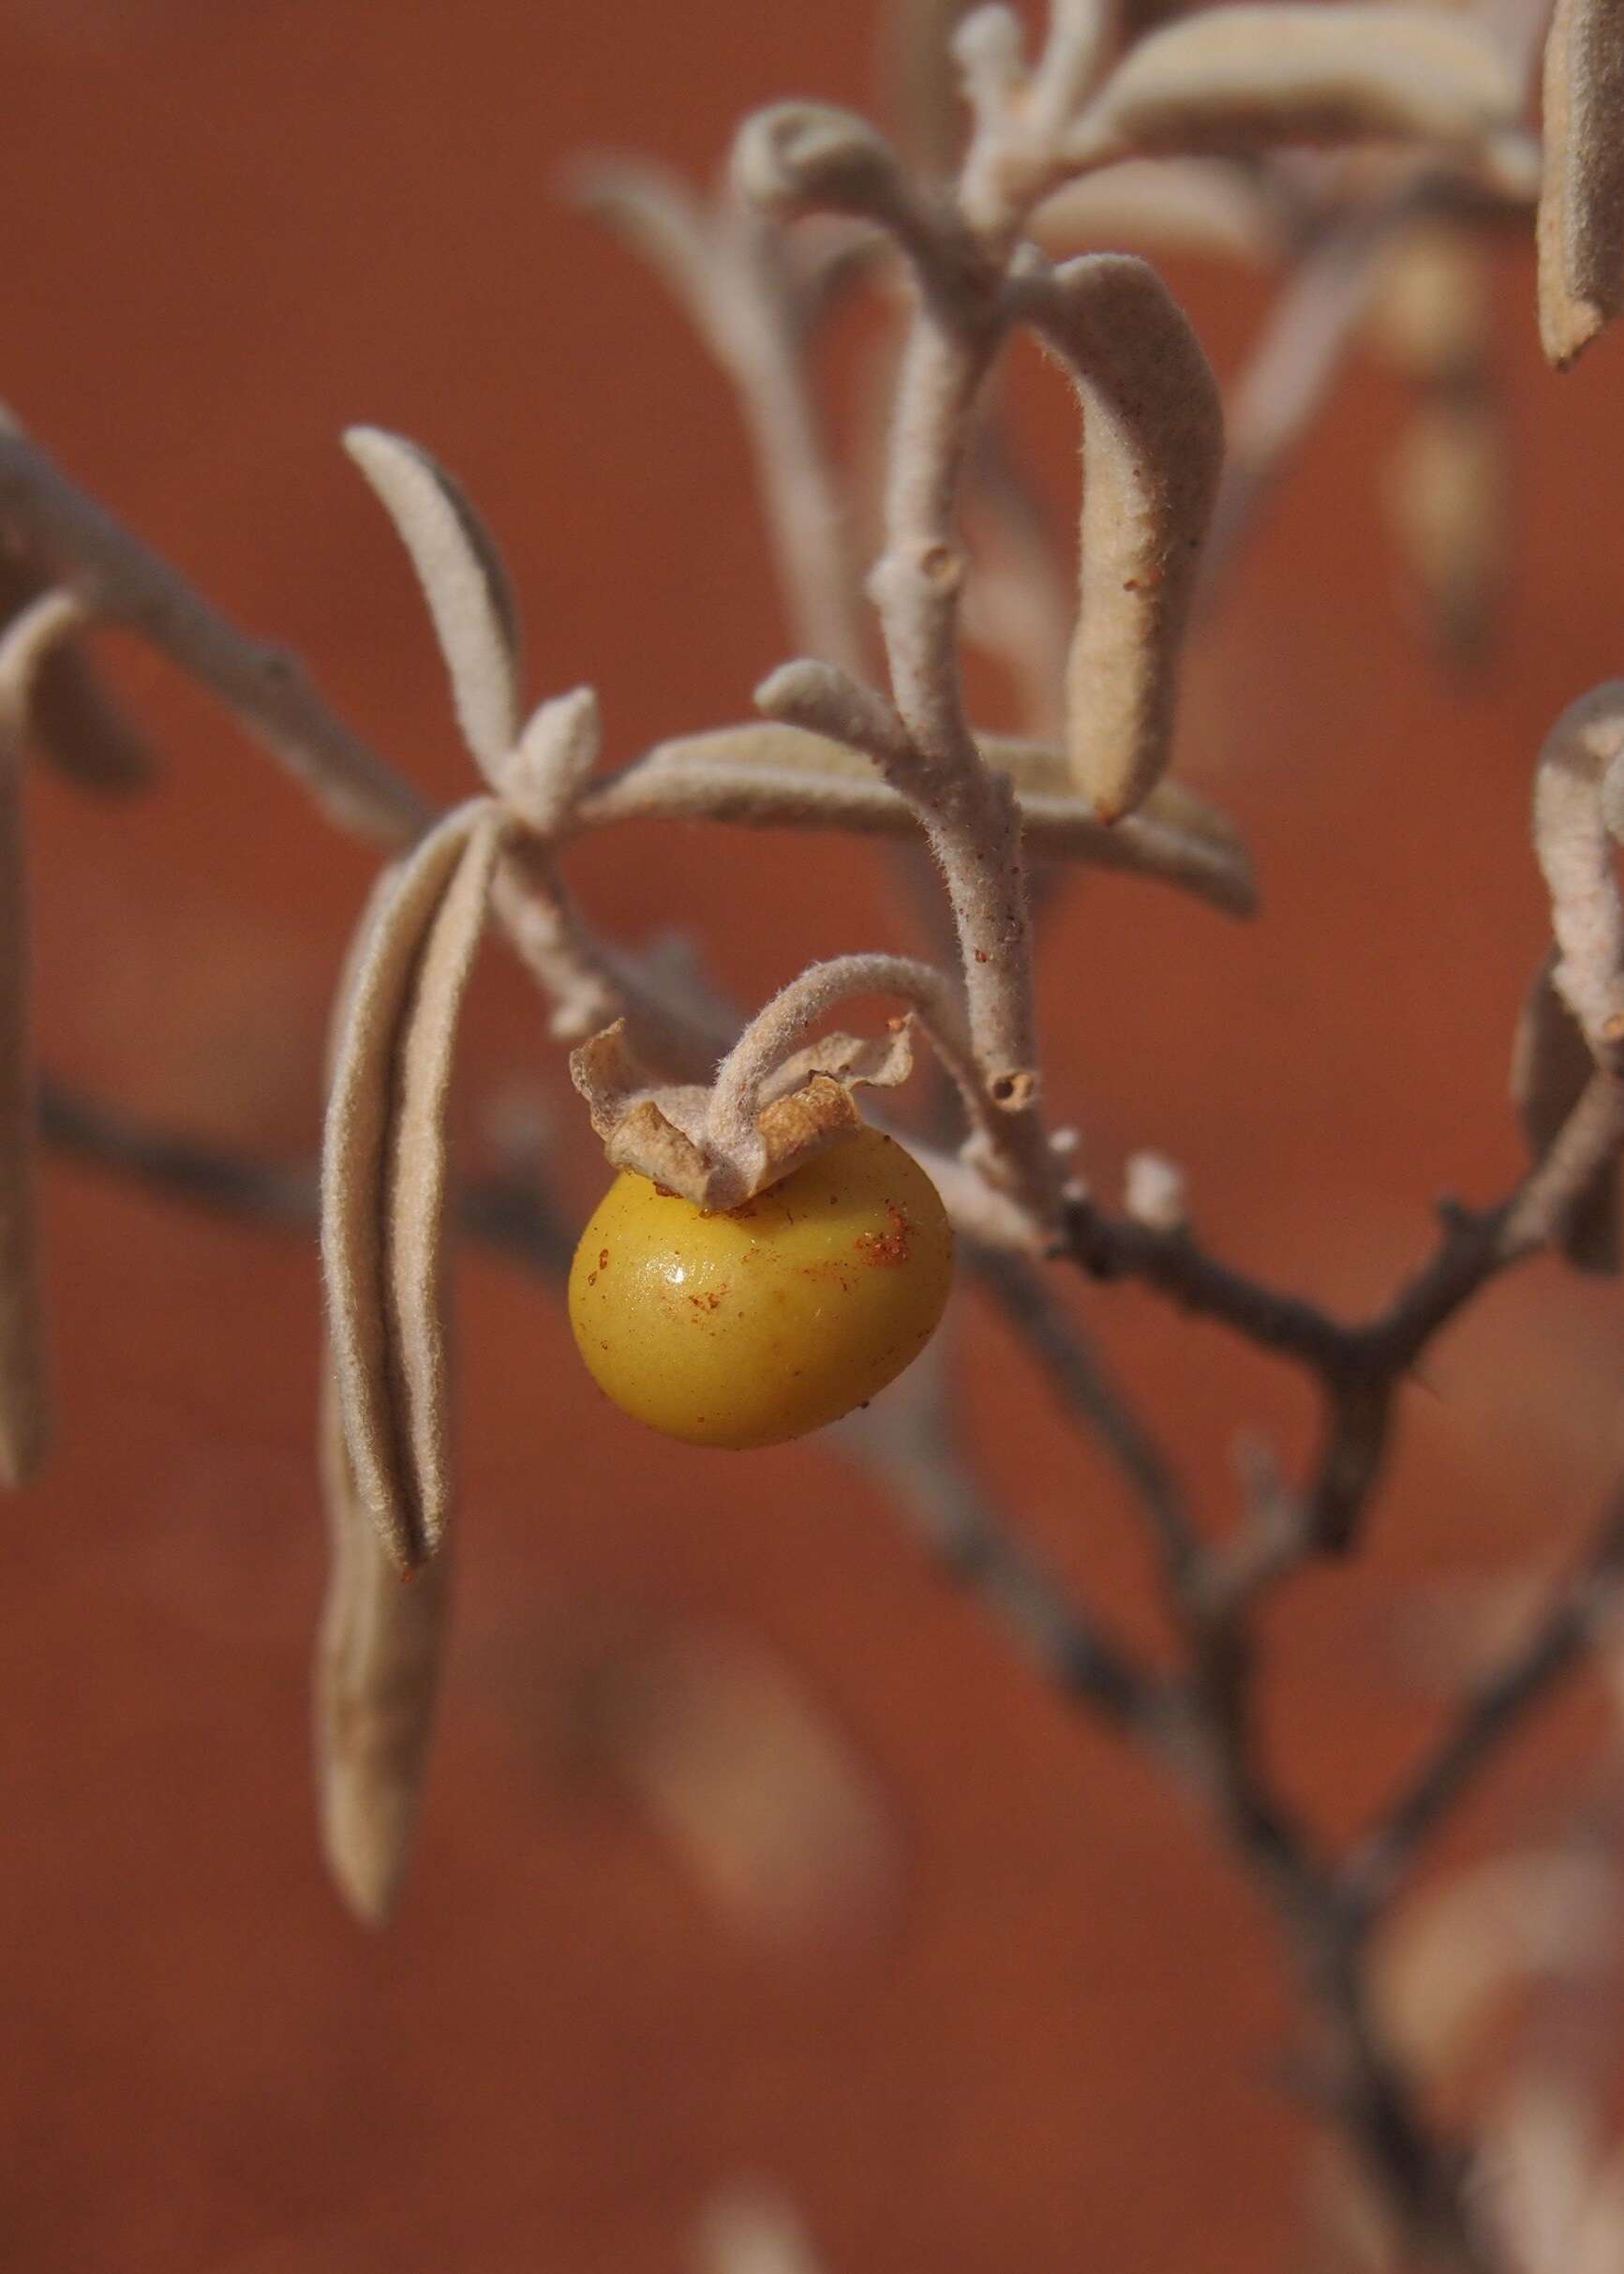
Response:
column 1013, row 1092
column 1155, row 1194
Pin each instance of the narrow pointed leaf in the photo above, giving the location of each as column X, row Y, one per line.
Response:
column 463, row 581
column 376, row 1672
column 384, row 1174
column 653, row 211
column 1241, row 79
column 768, row 775
column 1581, row 221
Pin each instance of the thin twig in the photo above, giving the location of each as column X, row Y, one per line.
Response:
column 1077, row 1377
column 503, row 1213
column 913, row 1439
column 120, row 580
column 1555, row 1644
column 1360, row 1365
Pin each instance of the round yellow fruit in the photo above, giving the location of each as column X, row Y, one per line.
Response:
column 749, row 1325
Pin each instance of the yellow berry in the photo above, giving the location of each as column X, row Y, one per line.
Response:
column 749, row 1325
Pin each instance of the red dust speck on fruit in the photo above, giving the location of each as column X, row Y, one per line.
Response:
column 886, row 1247
column 603, row 1258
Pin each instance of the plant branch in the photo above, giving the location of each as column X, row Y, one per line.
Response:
column 119, row 580
column 1554, row 1646
column 509, row 1214
column 1079, row 1382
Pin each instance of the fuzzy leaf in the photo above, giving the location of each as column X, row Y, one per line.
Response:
column 769, row 775
column 383, row 1173
column 464, row 582
column 1153, row 440
column 1581, row 221
column 1241, row 79
column 1551, row 1065
column 654, row 211
column 1165, row 206
column 1575, row 852
column 378, row 1660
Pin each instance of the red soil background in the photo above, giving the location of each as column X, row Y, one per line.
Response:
column 1050, row 2038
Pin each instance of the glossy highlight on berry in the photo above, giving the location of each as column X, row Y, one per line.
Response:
column 752, row 1326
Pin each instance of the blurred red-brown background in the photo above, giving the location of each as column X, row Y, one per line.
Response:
column 1043, row 2032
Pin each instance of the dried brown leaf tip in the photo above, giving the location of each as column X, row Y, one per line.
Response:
column 24, row 1403
column 1241, row 79
column 377, row 1658
column 1152, row 449
column 384, row 1174
column 1581, row 222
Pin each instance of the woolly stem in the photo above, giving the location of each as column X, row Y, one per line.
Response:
column 786, row 1023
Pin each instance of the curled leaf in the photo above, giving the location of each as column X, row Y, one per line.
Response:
column 1243, row 78
column 378, row 1659
column 1581, row 221
column 1152, row 437
column 796, row 158
column 384, row 1174
column 463, row 581
column 1551, row 1065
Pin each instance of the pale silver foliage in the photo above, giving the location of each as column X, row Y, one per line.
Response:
column 1185, row 137
column 1243, row 78
column 1153, row 443
column 1573, row 838
column 778, row 775
column 1581, row 221
column 463, row 581
column 383, row 1175
column 377, row 1675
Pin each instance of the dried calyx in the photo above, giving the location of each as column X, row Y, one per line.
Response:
column 778, row 1099
column 671, row 1132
